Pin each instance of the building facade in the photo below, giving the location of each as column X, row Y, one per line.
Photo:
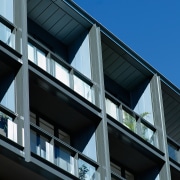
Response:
column 77, row 103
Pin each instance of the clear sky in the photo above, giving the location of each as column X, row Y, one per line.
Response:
column 151, row 28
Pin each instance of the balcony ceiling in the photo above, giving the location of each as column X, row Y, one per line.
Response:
column 171, row 103
column 122, row 68
column 57, row 18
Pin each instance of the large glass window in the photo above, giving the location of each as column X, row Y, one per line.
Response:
column 6, row 9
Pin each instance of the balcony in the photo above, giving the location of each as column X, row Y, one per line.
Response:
column 59, row 154
column 119, row 112
column 62, row 71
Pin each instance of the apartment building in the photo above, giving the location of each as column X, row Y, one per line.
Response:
column 77, row 103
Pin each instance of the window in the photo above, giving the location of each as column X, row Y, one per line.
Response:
column 173, row 152
column 6, row 9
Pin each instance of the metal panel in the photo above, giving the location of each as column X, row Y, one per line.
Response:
column 39, row 9
column 46, row 14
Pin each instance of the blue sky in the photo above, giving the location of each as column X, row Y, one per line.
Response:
column 149, row 27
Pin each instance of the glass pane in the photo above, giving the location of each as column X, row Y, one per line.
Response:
column 12, row 130
column 64, row 159
column 9, row 98
column 31, row 55
column 34, row 144
column 5, row 34
column 41, row 59
column 6, row 9
column 90, row 149
column 82, row 88
column 80, row 56
column 147, row 134
column 111, row 109
column 86, row 171
column 172, row 152
column 62, row 74
column 129, row 121
column 40, row 145
column 3, row 124
column 144, row 105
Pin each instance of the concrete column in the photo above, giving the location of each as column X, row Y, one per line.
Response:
column 98, row 78
column 160, row 125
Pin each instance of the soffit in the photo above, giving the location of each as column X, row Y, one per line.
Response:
column 122, row 68
column 171, row 103
column 57, row 18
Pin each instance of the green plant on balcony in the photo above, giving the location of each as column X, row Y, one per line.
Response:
column 129, row 121
column 3, row 121
column 82, row 172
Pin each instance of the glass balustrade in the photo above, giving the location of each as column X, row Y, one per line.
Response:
column 86, row 171
column 6, row 35
column 8, row 128
column 60, row 72
column 52, row 150
column 131, row 120
column 64, row 159
column 147, row 134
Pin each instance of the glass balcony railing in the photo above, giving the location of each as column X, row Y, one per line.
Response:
column 131, row 120
column 62, row 71
column 6, row 35
column 59, row 153
column 8, row 128
column 86, row 171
